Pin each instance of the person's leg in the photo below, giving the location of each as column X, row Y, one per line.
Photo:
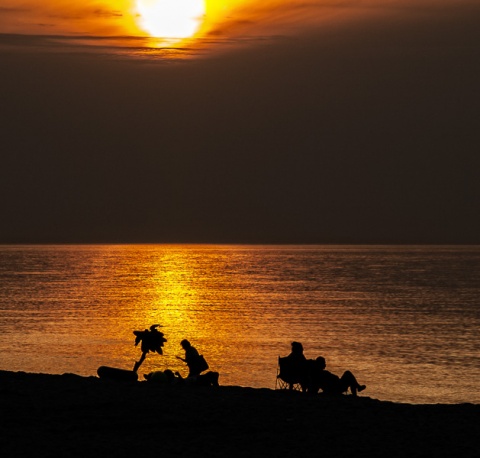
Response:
column 214, row 378
column 192, row 372
column 208, row 379
column 313, row 388
column 348, row 380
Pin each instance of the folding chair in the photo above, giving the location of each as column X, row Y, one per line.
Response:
column 288, row 375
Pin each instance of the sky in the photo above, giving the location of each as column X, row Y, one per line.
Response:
column 136, row 121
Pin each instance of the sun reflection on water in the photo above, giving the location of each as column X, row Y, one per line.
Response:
column 184, row 291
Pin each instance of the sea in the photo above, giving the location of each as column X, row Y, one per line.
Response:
column 404, row 319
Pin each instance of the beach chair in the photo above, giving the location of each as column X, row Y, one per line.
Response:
column 289, row 376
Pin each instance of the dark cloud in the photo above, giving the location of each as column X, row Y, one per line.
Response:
column 82, row 13
column 96, row 47
column 365, row 133
column 107, row 13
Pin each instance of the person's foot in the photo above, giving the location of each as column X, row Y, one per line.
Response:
column 361, row 388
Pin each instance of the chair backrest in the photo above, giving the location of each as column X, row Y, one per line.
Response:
column 291, row 370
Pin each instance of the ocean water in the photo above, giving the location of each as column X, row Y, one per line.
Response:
column 404, row 320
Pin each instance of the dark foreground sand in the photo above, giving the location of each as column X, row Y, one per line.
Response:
column 68, row 416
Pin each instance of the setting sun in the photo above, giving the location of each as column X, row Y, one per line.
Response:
column 171, row 18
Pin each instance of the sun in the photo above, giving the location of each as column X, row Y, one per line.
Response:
column 172, row 19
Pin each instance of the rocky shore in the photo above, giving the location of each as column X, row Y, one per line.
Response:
column 71, row 416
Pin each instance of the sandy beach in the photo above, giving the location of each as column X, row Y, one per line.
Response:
column 68, row 415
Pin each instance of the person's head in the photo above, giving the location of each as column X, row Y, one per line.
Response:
column 169, row 375
column 185, row 344
column 297, row 347
column 321, row 362
column 156, row 376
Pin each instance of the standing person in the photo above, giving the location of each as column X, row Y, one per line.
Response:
column 196, row 363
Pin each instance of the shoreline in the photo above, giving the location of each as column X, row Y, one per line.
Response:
column 72, row 415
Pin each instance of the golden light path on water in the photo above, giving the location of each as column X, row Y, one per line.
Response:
column 187, row 295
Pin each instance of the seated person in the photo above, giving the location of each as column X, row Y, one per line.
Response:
column 330, row 383
column 295, row 368
column 296, row 354
column 158, row 377
column 210, row 378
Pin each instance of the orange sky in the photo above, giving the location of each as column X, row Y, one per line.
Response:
column 221, row 21
column 66, row 17
column 223, row 18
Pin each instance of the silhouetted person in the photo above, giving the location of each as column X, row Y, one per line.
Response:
column 152, row 340
column 297, row 365
column 195, row 362
column 330, row 383
column 167, row 377
column 210, row 378
column 297, row 352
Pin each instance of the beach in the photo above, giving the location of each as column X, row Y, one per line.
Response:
column 69, row 415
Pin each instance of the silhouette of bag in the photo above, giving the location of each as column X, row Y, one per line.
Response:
column 201, row 364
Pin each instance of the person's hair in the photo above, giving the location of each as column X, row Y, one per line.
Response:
column 185, row 343
column 297, row 347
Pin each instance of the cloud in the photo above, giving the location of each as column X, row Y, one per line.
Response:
column 95, row 47
column 241, row 23
column 66, row 17
column 281, row 17
column 107, row 13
